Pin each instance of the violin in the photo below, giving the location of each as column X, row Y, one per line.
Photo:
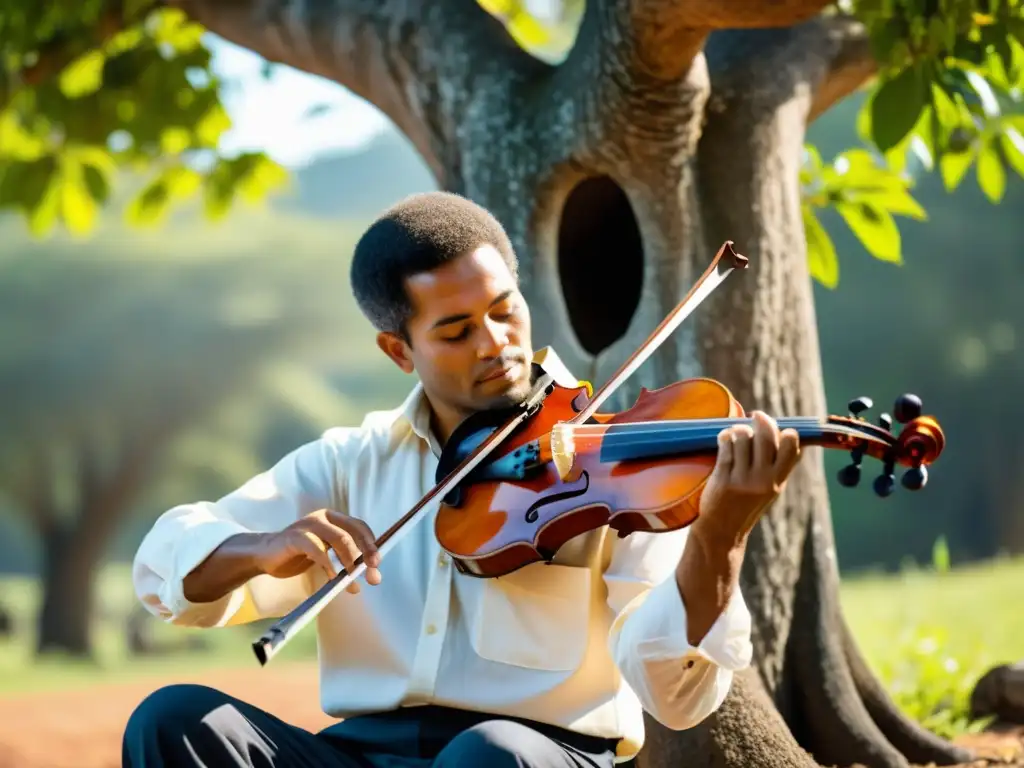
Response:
column 514, row 485
column 642, row 469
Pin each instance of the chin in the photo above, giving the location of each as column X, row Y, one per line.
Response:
column 513, row 394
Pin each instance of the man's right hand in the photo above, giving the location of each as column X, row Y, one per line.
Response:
column 306, row 543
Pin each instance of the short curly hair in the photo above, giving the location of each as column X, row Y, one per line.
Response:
column 418, row 234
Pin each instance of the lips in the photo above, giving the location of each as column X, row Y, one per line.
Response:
column 499, row 373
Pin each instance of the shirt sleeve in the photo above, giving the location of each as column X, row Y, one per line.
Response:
column 306, row 480
column 678, row 684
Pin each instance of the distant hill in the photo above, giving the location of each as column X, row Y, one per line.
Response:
column 357, row 185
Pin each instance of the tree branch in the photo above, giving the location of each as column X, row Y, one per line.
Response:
column 402, row 56
column 851, row 66
column 669, row 33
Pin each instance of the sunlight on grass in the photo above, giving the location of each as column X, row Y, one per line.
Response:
column 930, row 634
column 20, row 671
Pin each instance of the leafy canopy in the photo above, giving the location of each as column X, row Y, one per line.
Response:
column 86, row 91
column 948, row 95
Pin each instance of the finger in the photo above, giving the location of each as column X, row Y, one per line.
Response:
column 364, row 540
column 340, row 543
column 766, row 443
column 788, row 455
column 742, row 452
column 313, row 548
column 723, row 464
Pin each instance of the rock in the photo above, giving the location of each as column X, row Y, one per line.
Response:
column 1000, row 692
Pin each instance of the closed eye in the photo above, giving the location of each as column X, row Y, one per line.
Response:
column 460, row 336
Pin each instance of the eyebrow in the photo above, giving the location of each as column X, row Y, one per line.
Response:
column 459, row 318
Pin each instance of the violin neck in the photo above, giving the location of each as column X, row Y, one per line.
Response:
column 658, row 439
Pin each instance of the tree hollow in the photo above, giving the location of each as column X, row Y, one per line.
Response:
column 600, row 262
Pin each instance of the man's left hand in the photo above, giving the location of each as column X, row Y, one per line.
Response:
column 753, row 465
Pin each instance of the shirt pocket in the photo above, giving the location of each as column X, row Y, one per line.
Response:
column 536, row 617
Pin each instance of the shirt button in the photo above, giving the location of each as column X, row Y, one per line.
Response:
column 442, row 559
column 431, row 629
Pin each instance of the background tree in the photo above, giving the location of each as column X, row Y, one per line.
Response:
column 666, row 129
column 96, row 402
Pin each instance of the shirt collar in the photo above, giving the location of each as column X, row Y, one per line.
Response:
column 416, row 411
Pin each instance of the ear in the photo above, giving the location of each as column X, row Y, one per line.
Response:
column 394, row 346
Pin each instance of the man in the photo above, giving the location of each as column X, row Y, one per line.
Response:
column 549, row 666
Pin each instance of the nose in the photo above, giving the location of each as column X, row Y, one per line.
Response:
column 493, row 339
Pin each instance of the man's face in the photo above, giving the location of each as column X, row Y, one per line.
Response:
column 469, row 333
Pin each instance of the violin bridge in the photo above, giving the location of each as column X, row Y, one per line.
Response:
column 563, row 449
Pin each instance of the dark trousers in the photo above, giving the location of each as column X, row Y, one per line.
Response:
column 192, row 726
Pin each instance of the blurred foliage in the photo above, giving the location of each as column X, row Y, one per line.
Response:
column 949, row 94
column 109, row 364
column 131, row 90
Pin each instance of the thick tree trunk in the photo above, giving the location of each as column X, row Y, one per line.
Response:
column 74, row 544
column 618, row 174
column 65, row 616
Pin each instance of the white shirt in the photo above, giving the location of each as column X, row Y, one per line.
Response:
column 586, row 643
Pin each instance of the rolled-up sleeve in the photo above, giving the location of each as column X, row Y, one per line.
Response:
column 677, row 683
column 306, row 480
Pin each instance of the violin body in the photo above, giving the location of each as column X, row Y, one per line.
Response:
column 642, row 469
column 500, row 525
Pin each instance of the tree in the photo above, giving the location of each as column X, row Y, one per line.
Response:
column 668, row 128
column 105, row 366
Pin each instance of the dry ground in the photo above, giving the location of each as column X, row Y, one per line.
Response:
column 82, row 729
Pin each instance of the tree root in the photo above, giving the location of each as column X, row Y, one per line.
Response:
column 746, row 732
column 831, row 719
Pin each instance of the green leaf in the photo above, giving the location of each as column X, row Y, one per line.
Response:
column 896, row 107
column 875, row 228
column 16, row 141
column 83, row 76
column 151, row 204
column 78, row 207
column 821, row 252
column 990, row 173
column 43, row 217
column 898, row 202
column 1013, row 149
column 953, row 166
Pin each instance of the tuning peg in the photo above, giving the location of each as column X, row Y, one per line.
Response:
column 885, row 483
column 915, row 478
column 849, row 476
column 907, row 408
column 885, row 422
column 859, row 405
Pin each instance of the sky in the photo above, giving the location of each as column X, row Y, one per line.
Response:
column 268, row 115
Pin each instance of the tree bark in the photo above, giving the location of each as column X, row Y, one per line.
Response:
column 622, row 170
column 74, row 544
column 65, row 617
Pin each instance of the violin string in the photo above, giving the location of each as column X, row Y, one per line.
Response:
column 639, row 433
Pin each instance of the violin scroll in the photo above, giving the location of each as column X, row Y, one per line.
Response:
column 919, row 443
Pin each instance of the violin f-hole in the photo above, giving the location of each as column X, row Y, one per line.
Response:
column 533, row 514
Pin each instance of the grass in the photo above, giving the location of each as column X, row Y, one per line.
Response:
column 928, row 632
column 21, row 672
